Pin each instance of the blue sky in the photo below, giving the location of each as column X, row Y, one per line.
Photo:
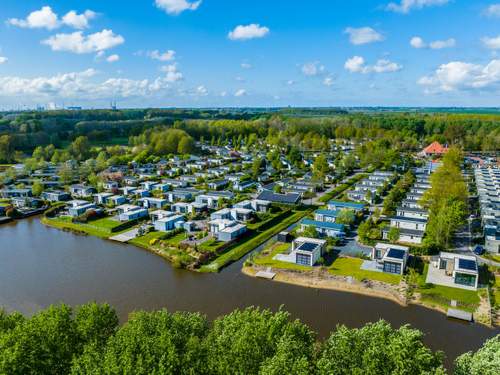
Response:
column 249, row 53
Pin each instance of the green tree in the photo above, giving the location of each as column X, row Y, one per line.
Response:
column 186, row 145
column 346, row 217
column 80, row 148
column 6, row 149
column 394, row 234
column 320, row 167
column 377, row 349
column 37, row 188
column 242, row 341
column 486, row 361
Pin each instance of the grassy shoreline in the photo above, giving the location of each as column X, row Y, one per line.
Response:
column 241, row 249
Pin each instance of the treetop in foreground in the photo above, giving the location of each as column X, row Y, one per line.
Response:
column 88, row 340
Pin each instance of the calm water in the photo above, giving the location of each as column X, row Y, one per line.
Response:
column 40, row 266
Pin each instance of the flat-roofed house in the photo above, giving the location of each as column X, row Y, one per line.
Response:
column 305, row 251
column 325, row 228
column 339, row 205
column 454, row 270
column 391, row 258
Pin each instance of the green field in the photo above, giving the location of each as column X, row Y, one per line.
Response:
column 351, row 267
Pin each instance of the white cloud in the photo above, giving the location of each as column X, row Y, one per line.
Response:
column 79, row 43
column 177, row 6
column 356, row 64
column 440, row 44
column 44, row 18
column 246, row 65
column 493, row 10
column 240, row 92
column 328, row 81
column 417, row 42
column 201, row 91
column 78, row 21
column 363, row 35
column 313, row 69
column 458, row 75
column 3, row 60
column 165, row 56
column 290, row 82
column 172, row 74
column 247, row 32
column 491, row 43
column 405, row 6
column 81, row 86
column 113, row 58
column 223, row 94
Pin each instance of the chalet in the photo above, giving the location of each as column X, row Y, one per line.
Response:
column 305, row 251
column 411, row 230
column 339, row 205
column 127, row 212
column 226, row 230
column 218, row 185
column 151, row 202
column 415, row 213
column 454, row 270
column 168, row 223
column 272, row 197
column 82, row 191
column 324, row 228
column 55, row 196
column 326, row 215
column 79, row 207
column 390, row 258
column 14, row 193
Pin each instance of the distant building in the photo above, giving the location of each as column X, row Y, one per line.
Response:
column 434, row 149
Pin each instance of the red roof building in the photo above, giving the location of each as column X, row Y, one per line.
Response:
column 435, row 148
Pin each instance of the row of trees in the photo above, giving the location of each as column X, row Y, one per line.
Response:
column 446, row 200
column 89, row 340
column 398, row 193
column 398, row 130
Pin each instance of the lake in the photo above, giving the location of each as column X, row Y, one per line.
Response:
column 40, row 266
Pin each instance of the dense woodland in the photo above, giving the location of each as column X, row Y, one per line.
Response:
column 23, row 132
column 89, row 340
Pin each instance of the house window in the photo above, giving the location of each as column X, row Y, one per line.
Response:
column 303, row 259
column 465, row 279
column 390, row 267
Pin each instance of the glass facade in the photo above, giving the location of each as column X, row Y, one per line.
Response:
column 391, row 267
column 303, row 259
column 465, row 279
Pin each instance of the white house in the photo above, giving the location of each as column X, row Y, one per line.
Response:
column 305, row 251
column 391, row 258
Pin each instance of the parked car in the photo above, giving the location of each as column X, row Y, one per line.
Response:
column 478, row 250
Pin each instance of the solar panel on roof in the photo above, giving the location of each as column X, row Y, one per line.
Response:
column 396, row 253
column 307, row 246
column 467, row 264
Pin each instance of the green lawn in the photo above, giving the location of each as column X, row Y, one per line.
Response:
column 144, row 241
column 99, row 228
column 438, row 295
column 266, row 258
column 247, row 244
column 211, row 245
column 493, row 257
column 441, row 296
column 351, row 267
